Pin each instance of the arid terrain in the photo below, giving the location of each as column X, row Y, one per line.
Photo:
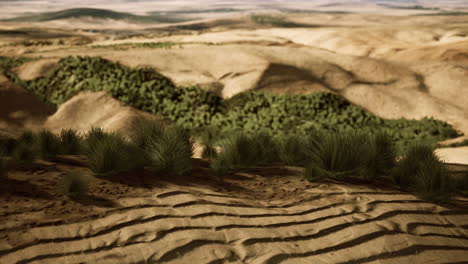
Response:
column 393, row 62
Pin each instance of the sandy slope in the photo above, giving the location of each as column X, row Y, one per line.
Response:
column 267, row 215
column 88, row 109
column 19, row 108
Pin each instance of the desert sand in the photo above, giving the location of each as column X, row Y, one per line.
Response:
column 392, row 64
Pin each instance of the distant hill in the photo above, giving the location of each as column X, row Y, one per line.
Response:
column 94, row 13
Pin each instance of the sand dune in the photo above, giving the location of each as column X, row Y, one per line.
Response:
column 87, row 110
column 393, row 66
column 20, row 109
column 242, row 218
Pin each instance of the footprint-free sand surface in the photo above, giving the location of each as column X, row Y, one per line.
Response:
column 393, row 66
column 264, row 215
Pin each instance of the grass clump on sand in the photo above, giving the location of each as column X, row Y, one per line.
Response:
column 49, row 145
column 420, row 170
column 276, row 21
column 292, row 150
column 7, row 145
column 24, row 149
column 171, row 151
column 111, row 153
column 349, row 154
column 3, row 164
column 74, row 185
column 71, row 141
column 241, row 150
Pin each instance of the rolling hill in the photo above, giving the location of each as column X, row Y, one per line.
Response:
column 93, row 13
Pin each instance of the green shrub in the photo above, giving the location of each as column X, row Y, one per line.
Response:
column 49, row 145
column 24, row 154
column 7, row 145
column 209, row 152
column 93, row 136
column 12, row 62
column 241, row 151
column 144, row 131
column 111, row 153
column 194, row 108
column 3, row 164
column 74, row 185
column 349, row 154
column 292, row 150
column 28, row 138
column 71, row 142
column 422, row 171
column 171, row 152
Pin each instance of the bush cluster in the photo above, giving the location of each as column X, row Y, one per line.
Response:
column 7, row 62
column 343, row 156
column 195, row 109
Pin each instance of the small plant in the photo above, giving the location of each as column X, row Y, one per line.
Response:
column 24, row 154
column 171, row 152
column 239, row 151
column 145, row 131
column 350, row 154
column 291, row 150
column 422, row 171
column 71, row 142
column 3, row 164
column 74, row 185
column 27, row 137
column 7, row 145
column 49, row 145
column 95, row 134
column 111, row 154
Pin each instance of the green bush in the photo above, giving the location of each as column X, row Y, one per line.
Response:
column 71, row 142
column 171, row 151
column 3, row 164
column 144, row 131
column 349, row 154
column 7, row 145
column 74, row 185
column 292, row 150
column 422, row 171
column 49, row 145
column 194, row 108
column 24, row 154
column 241, row 150
column 111, row 153
column 12, row 62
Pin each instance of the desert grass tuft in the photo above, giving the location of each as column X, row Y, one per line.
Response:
column 27, row 137
column 72, row 142
column 171, row 151
column 144, row 131
column 241, row 150
column 291, row 150
column 7, row 145
column 24, row 154
column 3, row 164
column 420, row 170
column 111, row 153
column 349, row 154
column 74, row 185
column 49, row 145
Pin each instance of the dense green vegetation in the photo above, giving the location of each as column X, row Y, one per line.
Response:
column 153, row 45
column 420, row 170
column 456, row 144
column 159, row 149
column 12, row 62
column 94, row 13
column 195, row 109
column 74, row 185
column 276, row 21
